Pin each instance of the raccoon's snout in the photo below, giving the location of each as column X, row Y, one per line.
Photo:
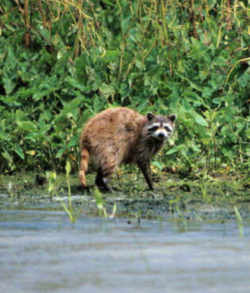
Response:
column 160, row 134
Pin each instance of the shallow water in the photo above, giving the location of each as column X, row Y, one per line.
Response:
column 41, row 251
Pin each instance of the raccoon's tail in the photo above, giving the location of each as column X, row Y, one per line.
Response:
column 83, row 166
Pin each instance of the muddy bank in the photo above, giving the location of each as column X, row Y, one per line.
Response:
column 182, row 198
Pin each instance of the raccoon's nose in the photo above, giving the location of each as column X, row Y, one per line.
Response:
column 161, row 135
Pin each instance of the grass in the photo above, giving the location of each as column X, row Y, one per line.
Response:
column 72, row 212
column 183, row 198
column 239, row 221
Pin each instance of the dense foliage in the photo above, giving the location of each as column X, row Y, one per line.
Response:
column 62, row 61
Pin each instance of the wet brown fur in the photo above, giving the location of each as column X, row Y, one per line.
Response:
column 113, row 137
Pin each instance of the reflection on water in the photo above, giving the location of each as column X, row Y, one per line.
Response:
column 41, row 251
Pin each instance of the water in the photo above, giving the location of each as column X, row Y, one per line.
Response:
column 41, row 251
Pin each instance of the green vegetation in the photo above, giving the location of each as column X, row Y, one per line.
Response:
column 181, row 200
column 63, row 61
column 239, row 221
column 70, row 211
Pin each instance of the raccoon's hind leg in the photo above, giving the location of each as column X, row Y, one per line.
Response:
column 104, row 173
column 83, row 166
column 101, row 181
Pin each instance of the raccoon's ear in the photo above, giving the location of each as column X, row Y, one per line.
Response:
column 150, row 116
column 172, row 117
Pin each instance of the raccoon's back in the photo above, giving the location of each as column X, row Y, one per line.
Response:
column 115, row 129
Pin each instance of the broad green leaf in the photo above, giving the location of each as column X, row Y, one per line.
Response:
column 19, row 151
column 158, row 165
column 200, row 120
column 175, row 149
column 27, row 126
column 107, row 90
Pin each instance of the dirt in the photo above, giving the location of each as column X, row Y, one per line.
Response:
column 184, row 199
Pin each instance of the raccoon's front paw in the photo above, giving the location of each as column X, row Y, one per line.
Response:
column 105, row 188
column 80, row 188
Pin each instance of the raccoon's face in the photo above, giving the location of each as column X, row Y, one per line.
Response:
column 160, row 127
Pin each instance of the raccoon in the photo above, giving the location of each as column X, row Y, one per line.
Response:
column 122, row 136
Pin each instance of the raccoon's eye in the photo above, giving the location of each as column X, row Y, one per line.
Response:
column 153, row 128
column 168, row 129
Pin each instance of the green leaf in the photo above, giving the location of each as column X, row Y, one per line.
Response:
column 7, row 156
column 68, row 167
column 200, row 120
column 175, row 149
column 9, row 85
column 19, row 151
column 76, row 84
column 158, row 165
column 60, row 152
column 27, row 126
column 107, row 90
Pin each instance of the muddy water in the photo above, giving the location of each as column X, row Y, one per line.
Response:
column 41, row 251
